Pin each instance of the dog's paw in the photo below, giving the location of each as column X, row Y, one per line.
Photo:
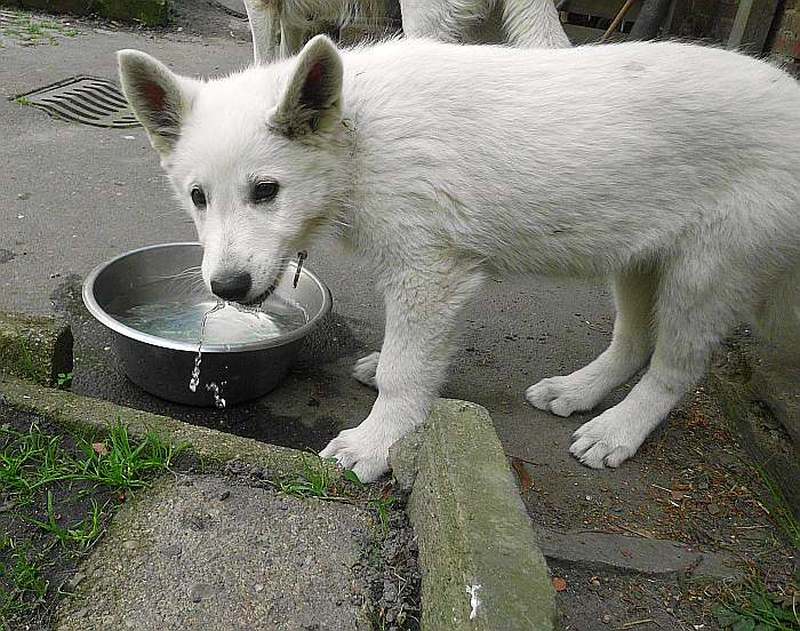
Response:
column 607, row 440
column 365, row 368
column 559, row 395
column 361, row 450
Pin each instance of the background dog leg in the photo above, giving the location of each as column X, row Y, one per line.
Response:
column 265, row 26
column 630, row 348
column 533, row 24
column 422, row 309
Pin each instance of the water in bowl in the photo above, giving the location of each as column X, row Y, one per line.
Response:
column 182, row 321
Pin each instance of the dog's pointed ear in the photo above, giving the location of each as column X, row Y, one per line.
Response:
column 158, row 97
column 312, row 99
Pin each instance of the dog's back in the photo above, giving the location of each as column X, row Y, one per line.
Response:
column 604, row 153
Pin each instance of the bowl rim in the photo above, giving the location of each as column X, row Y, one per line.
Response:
column 109, row 321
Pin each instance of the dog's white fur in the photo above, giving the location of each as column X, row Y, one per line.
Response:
column 673, row 169
column 280, row 27
column 521, row 23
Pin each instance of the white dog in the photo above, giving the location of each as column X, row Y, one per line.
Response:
column 520, row 23
column 281, row 27
column 673, row 169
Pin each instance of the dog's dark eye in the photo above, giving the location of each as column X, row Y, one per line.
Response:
column 198, row 198
column 264, row 191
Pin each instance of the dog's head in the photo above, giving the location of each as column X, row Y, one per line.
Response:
column 255, row 157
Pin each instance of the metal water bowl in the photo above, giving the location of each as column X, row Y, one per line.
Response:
column 164, row 366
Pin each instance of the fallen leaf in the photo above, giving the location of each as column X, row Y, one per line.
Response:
column 525, row 480
column 559, row 584
column 100, row 449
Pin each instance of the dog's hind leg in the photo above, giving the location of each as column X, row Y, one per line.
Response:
column 422, row 309
column 699, row 300
column 365, row 368
column 630, row 348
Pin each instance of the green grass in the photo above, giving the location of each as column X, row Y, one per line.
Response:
column 382, row 505
column 751, row 606
column 755, row 609
column 26, row 360
column 36, row 468
column 64, row 379
column 317, row 479
column 33, row 30
column 23, row 574
column 80, row 536
column 779, row 509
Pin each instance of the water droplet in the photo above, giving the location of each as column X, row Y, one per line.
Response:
column 195, row 379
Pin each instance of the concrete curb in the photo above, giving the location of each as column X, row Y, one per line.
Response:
column 621, row 553
column 482, row 566
column 93, row 416
column 37, row 348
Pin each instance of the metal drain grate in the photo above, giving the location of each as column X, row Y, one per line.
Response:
column 86, row 100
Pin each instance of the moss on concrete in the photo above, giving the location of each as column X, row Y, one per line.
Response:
column 36, row 348
column 473, row 530
column 91, row 417
column 148, row 12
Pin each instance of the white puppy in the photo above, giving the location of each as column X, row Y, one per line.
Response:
column 673, row 169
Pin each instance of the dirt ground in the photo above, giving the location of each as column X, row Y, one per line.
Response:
column 696, row 486
column 26, row 548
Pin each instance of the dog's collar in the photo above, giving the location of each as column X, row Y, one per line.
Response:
column 301, row 256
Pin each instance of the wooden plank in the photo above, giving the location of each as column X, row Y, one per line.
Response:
column 584, row 35
column 751, row 25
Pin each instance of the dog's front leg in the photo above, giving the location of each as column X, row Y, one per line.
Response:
column 422, row 309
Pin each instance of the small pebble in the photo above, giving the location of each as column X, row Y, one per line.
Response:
column 259, row 587
column 198, row 592
column 224, row 495
column 76, row 580
column 594, row 584
column 606, row 619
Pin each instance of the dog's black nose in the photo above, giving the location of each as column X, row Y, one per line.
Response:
column 233, row 287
